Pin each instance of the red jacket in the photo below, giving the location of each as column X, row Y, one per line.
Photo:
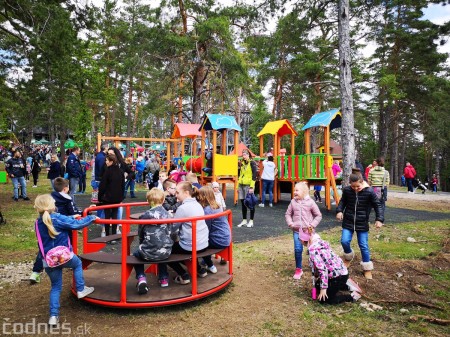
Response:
column 409, row 172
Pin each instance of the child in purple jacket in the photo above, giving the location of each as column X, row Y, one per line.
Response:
column 330, row 275
column 302, row 214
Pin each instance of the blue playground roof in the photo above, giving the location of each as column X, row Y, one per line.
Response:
column 333, row 118
column 219, row 122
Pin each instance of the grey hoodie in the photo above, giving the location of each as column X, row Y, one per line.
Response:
column 191, row 208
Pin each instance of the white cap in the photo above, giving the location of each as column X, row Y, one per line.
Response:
column 215, row 184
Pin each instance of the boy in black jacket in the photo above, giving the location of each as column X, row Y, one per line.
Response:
column 170, row 203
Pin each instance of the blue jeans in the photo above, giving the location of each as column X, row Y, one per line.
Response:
column 363, row 243
column 409, row 184
column 16, row 181
column 298, row 250
column 267, row 187
column 139, row 176
column 129, row 184
column 55, row 275
column 73, row 186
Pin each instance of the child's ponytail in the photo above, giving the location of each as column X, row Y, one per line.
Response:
column 45, row 205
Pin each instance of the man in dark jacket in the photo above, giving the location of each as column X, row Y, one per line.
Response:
column 353, row 210
column 73, row 168
column 15, row 168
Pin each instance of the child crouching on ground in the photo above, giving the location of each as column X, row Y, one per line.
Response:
column 330, row 275
column 52, row 230
column 302, row 215
column 155, row 243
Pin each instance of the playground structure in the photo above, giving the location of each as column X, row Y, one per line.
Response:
column 100, row 268
column 224, row 165
column 314, row 168
column 117, row 140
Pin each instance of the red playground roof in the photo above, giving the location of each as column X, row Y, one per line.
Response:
column 186, row 130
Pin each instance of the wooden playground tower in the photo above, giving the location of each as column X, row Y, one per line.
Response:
column 224, row 165
column 314, row 168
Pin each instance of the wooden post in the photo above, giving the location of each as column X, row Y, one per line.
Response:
column 236, row 145
column 261, row 153
column 99, row 142
column 182, row 147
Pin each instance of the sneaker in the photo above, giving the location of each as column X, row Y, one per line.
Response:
column 202, row 273
column 113, row 242
column 36, row 186
column 223, row 262
column 353, row 286
column 243, row 223
column 16, row 199
column 35, row 278
column 86, row 291
column 118, row 231
column 26, row 198
column 333, row 203
column 298, row 274
column 212, row 269
column 103, row 234
column 356, row 296
column 185, row 279
column 250, row 223
column 270, row 205
column 142, row 287
column 164, row 282
column 261, row 205
column 53, row 320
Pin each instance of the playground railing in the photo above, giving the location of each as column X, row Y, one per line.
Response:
column 301, row 167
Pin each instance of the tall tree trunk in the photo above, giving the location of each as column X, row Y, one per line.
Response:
column 276, row 110
column 395, row 164
column 345, row 80
column 316, row 132
column 114, row 107
column 138, row 105
column 200, row 74
column 129, row 106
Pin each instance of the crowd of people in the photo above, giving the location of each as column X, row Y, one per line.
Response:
column 176, row 193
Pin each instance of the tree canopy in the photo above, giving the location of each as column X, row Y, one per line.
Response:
column 130, row 68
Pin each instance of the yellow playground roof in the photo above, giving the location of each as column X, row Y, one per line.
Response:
column 281, row 128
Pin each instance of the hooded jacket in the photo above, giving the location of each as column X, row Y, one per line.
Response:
column 155, row 243
column 409, row 172
column 73, row 166
column 63, row 224
column 64, row 204
column 191, row 208
column 324, row 262
column 356, row 207
column 303, row 213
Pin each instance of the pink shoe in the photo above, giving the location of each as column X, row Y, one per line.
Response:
column 298, row 273
column 353, row 286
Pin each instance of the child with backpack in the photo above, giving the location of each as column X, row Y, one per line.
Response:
column 52, row 231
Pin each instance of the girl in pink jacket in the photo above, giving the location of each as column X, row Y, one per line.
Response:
column 301, row 214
